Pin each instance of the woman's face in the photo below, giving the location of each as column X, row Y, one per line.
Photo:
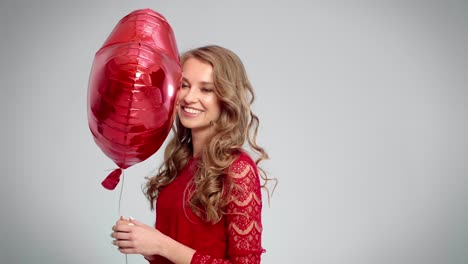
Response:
column 198, row 102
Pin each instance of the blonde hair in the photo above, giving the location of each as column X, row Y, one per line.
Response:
column 236, row 124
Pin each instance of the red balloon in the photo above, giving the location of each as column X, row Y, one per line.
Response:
column 132, row 88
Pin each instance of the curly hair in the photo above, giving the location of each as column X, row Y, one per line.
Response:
column 236, row 125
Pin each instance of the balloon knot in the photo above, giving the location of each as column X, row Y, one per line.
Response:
column 111, row 181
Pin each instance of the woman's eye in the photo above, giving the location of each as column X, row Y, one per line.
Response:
column 206, row 90
column 184, row 85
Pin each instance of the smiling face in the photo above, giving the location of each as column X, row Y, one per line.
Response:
column 198, row 103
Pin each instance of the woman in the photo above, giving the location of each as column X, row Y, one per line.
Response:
column 207, row 192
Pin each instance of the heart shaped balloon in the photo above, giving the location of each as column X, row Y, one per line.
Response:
column 132, row 88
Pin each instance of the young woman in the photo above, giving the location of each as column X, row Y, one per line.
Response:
column 208, row 191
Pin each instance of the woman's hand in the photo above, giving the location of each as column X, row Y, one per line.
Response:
column 133, row 237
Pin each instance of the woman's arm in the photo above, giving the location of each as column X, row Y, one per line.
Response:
column 243, row 218
column 134, row 237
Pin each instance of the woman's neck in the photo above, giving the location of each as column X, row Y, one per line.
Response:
column 200, row 139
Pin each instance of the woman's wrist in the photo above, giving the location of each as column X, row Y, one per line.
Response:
column 164, row 246
column 175, row 251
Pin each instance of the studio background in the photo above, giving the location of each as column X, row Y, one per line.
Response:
column 363, row 108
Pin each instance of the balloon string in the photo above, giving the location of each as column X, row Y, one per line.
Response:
column 121, row 190
column 120, row 202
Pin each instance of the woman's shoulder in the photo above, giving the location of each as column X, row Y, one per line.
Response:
column 242, row 165
column 243, row 174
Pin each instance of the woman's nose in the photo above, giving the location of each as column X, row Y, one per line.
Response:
column 189, row 95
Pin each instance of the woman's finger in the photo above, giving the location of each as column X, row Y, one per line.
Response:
column 137, row 223
column 121, row 222
column 123, row 243
column 121, row 235
column 122, row 228
column 127, row 250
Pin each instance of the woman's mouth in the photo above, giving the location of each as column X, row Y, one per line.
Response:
column 191, row 110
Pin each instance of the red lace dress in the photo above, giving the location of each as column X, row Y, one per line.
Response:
column 234, row 239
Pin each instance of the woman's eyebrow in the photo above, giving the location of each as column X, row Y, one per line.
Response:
column 202, row 83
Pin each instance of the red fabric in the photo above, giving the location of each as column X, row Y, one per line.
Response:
column 234, row 239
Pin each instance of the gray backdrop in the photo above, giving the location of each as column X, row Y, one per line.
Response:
column 363, row 108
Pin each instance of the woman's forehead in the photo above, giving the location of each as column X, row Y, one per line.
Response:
column 194, row 70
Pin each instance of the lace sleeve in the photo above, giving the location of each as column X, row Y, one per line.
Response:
column 243, row 215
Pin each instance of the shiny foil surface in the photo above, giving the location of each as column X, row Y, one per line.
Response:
column 132, row 89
